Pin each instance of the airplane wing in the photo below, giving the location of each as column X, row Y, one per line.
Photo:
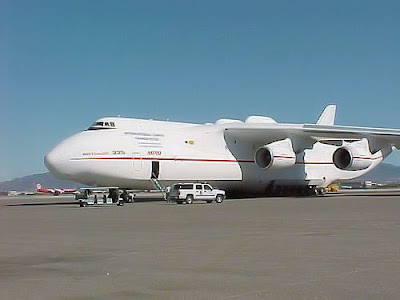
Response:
column 311, row 132
column 390, row 136
column 307, row 134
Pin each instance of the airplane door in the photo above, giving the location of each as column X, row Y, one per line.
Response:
column 137, row 161
column 155, row 169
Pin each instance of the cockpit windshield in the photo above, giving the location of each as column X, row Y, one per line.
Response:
column 102, row 125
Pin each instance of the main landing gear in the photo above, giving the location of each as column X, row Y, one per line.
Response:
column 120, row 198
column 294, row 191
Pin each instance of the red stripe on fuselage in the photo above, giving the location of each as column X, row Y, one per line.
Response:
column 163, row 159
column 194, row 160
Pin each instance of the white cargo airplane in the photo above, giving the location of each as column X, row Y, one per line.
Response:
column 255, row 157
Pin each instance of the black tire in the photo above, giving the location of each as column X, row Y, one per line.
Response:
column 124, row 197
column 114, row 195
column 189, row 199
column 219, row 199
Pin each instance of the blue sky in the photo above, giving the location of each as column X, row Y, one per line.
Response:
column 64, row 64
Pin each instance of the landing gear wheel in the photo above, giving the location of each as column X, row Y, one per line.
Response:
column 189, row 199
column 125, row 197
column 219, row 199
column 113, row 195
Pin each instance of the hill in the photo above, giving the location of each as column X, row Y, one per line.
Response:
column 382, row 173
column 28, row 183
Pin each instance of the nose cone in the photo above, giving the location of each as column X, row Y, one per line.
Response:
column 58, row 160
column 54, row 161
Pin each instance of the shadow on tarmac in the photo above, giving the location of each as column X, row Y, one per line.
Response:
column 144, row 199
column 44, row 204
column 361, row 194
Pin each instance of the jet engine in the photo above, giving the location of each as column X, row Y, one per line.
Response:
column 276, row 155
column 353, row 157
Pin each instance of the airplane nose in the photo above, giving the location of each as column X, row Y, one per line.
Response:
column 52, row 161
column 56, row 161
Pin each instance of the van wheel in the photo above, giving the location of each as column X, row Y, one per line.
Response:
column 189, row 199
column 219, row 199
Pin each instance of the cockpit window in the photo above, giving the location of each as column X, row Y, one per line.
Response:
column 102, row 125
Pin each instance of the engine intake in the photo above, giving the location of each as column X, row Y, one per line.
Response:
column 353, row 157
column 276, row 155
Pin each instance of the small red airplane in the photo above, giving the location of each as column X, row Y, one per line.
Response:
column 55, row 191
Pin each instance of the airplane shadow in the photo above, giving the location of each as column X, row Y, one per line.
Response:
column 43, row 204
column 394, row 194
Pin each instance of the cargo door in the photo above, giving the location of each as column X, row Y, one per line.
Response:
column 155, row 169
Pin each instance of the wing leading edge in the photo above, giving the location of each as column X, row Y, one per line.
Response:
column 315, row 133
column 323, row 130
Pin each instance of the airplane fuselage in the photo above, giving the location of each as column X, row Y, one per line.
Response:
column 127, row 153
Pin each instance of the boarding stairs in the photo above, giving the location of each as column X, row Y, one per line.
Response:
column 159, row 187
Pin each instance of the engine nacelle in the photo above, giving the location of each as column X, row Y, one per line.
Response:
column 353, row 157
column 276, row 155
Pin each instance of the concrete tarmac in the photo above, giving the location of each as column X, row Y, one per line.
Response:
column 344, row 246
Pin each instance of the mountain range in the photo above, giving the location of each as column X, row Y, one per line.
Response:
column 28, row 183
column 381, row 174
